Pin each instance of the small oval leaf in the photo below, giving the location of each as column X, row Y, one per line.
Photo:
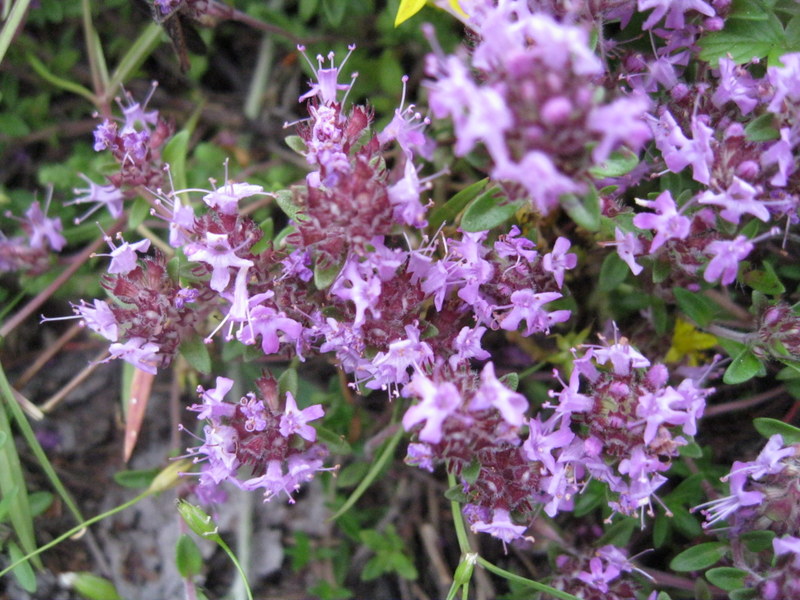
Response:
column 699, row 557
column 743, row 368
column 769, row 427
column 188, row 559
column 727, row 578
column 488, row 211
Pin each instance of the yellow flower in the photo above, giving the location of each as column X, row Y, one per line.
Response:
column 689, row 343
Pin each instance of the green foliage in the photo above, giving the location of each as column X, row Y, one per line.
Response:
column 699, row 557
column 390, row 555
column 489, row 210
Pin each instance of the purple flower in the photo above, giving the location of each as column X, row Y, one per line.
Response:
column 740, row 198
column 780, row 153
column 99, row 319
column 558, row 261
column 721, row 508
column 296, row 421
column 226, row 199
column 391, row 367
column 628, row 246
column 542, row 440
column 123, row 257
column 621, row 122
column 214, row 405
column 420, row 455
column 363, row 289
column 785, row 81
column 215, row 250
column 39, row 228
column 675, row 11
column 492, row 393
column 138, row 352
column 667, row 222
column 109, row 196
column 406, row 128
column 500, row 527
column 599, row 577
column 468, row 345
column 680, row 151
column 327, row 86
column 736, row 85
column 267, row 322
column 512, row 244
column 404, row 196
column 438, row 401
column 726, row 256
column 529, row 307
column 769, row 460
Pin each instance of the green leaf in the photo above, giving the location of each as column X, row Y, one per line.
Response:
column 23, row 571
column 489, row 210
column 699, row 557
column 471, row 471
column 403, row 566
column 511, row 381
column 286, row 202
column 619, row 533
column 743, row 40
column 758, row 541
column 448, row 211
column 93, row 587
column 743, row 368
column 744, row 594
column 661, row 529
column 766, row 281
column 334, row 11
column 585, row 212
column 727, row 578
column 141, row 478
column 762, row 129
column 685, row 522
column 612, row 273
column 456, row 494
column 374, row 568
column 663, row 596
column 188, row 559
column 296, row 143
column 621, row 162
column 324, row 277
column 691, row 450
column 195, row 351
column 39, row 502
column 335, row 442
column 696, row 306
column 289, row 382
column 769, row 427
column 174, row 154
column 138, row 212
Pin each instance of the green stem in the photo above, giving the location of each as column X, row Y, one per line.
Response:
column 239, row 568
column 76, row 529
column 525, row 581
column 458, row 520
column 59, row 82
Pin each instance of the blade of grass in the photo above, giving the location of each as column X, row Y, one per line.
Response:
column 373, row 472
column 12, row 482
column 30, row 438
column 134, row 57
column 15, row 18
